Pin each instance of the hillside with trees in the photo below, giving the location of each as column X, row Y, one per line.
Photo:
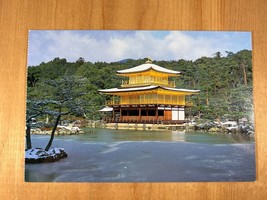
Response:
column 225, row 83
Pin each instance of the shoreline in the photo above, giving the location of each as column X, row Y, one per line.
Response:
column 187, row 128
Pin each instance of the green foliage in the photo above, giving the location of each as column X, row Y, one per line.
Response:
column 225, row 82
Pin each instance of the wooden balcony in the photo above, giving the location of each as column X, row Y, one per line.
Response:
column 117, row 103
column 113, row 102
column 144, row 120
column 138, row 101
column 145, row 83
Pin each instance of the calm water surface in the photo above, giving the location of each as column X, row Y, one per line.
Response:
column 108, row 135
column 146, row 156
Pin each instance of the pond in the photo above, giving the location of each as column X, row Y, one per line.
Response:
column 105, row 155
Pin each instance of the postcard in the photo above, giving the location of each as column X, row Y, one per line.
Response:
column 139, row 106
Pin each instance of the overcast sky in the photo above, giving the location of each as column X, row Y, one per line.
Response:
column 110, row 46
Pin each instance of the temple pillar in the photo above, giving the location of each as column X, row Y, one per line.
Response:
column 127, row 115
column 157, row 113
column 120, row 115
column 139, row 113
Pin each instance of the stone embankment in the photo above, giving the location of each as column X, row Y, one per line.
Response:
column 222, row 127
column 61, row 130
column 136, row 126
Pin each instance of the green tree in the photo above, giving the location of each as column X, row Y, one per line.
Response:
column 65, row 93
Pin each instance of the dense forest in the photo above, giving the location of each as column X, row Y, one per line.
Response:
column 225, row 83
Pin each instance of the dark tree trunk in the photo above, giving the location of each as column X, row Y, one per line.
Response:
column 244, row 75
column 28, row 130
column 28, row 137
column 53, row 133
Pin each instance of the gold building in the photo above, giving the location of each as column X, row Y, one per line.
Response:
column 148, row 96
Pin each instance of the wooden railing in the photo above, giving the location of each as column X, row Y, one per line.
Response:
column 112, row 102
column 146, row 102
column 132, row 84
column 149, row 99
column 150, row 120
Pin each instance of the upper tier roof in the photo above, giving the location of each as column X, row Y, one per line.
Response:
column 145, row 67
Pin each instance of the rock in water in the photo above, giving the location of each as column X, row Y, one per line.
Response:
column 38, row 155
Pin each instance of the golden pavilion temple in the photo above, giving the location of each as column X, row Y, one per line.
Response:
column 148, row 96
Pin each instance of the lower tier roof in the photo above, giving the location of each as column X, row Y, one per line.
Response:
column 151, row 87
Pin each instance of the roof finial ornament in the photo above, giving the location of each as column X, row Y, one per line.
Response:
column 149, row 61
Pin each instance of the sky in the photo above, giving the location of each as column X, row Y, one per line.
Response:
column 112, row 46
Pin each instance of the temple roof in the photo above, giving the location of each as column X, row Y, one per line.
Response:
column 151, row 87
column 145, row 67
